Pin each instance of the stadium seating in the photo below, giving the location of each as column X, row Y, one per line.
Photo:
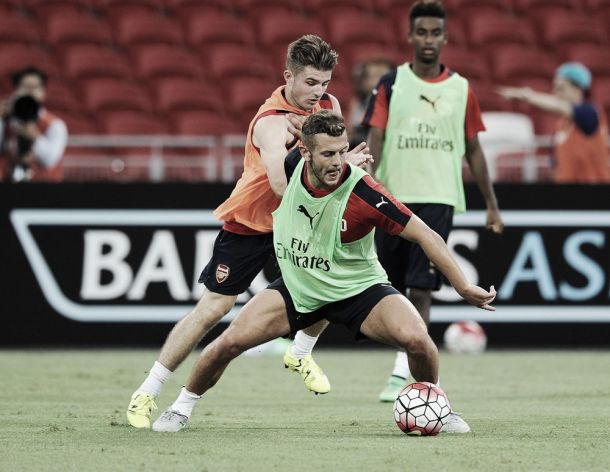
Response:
column 282, row 29
column 564, row 29
column 358, row 28
column 47, row 8
column 204, row 123
column 210, row 30
column 77, row 122
column 231, row 60
column 515, row 62
column 488, row 29
column 17, row 56
column 61, row 97
column 160, row 60
column 88, row 61
column 331, row 8
column 180, row 93
column 132, row 122
column 463, row 61
column 595, row 58
column 17, row 29
column 65, row 29
column 147, row 29
column 113, row 94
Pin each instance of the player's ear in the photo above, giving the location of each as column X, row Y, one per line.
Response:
column 305, row 152
column 288, row 76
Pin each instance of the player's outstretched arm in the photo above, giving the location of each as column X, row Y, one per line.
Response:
column 438, row 252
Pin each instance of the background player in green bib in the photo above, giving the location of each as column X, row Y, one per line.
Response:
column 423, row 119
column 323, row 240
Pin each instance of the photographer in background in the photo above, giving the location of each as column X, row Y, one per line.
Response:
column 32, row 140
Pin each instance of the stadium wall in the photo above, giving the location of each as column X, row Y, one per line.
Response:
column 113, row 264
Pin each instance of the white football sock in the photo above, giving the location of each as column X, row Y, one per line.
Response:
column 157, row 376
column 401, row 365
column 302, row 345
column 185, row 402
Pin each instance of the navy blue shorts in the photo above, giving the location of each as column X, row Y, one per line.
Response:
column 236, row 261
column 405, row 262
column 350, row 312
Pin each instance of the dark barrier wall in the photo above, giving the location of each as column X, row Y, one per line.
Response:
column 118, row 264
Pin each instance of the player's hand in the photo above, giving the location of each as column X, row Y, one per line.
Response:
column 295, row 124
column 360, row 156
column 514, row 93
column 494, row 221
column 479, row 297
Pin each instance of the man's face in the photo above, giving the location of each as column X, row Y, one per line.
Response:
column 325, row 160
column 32, row 85
column 428, row 36
column 305, row 88
column 566, row 90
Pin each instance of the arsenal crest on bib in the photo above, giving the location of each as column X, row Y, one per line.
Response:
column 222, row 273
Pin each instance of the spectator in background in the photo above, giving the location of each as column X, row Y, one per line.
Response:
column 365, row 76
column 581, row 136
column 32, row 140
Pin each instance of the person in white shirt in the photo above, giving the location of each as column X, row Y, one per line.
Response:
column 32, row 140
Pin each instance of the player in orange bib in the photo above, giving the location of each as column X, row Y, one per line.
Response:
column 245, row 243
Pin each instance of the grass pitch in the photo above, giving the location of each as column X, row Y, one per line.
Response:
column 530, row 411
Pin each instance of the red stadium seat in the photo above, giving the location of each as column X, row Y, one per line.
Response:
column 17, row 29
column 147, row 29
column 595, row 58
column 464, row 62
column 179, row 93
column 542, row 7
column 219, row 28
column 488, row 98
column 359, row 28
column 515, row 62
column 564, row 29
column 367, row 52
column 469, row 8
column 282, row 29
column 87, row 61
column 231, row 60
column 112, row 94
column 130, row 122
column 63, row 29
column 60, row 97
column 17, row 56
column 43, row 9
column 488, row 29
column 159, row 60
column 76, row 122
column 333, row 8
column 246, row 95
column 203, row 123
column 601, row 93
column 118, row 8
column 259, row 8
column 343, row 91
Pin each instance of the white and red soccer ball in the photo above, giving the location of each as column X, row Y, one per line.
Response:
column 421, row 409
column 465, row 337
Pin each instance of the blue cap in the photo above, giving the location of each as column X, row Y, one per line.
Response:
column 576, row 73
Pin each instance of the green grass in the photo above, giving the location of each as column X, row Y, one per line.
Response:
column 530, row 411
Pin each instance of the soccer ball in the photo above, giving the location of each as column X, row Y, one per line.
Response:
column 466, row 337
column 421, row 409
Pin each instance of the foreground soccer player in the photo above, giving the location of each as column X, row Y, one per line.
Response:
column 323, row 240
column 244, row 245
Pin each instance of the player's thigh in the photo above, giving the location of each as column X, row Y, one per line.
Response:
column 394, row 321
column 262, row 319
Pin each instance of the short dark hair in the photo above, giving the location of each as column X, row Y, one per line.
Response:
column 30, row 70
column 310, row 50
column 322, row 122
column 421, row 8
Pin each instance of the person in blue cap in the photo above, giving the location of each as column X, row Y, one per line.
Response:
column 580, row 142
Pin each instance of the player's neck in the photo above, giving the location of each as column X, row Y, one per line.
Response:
column 426, row 71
